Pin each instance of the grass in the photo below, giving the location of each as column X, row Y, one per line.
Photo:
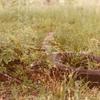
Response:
column 22, row 31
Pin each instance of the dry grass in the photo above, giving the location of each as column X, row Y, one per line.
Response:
column 22, row 32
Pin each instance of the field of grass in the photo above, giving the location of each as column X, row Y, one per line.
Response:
column 22, row 32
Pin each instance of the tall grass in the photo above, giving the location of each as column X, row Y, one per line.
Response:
column 22, row 30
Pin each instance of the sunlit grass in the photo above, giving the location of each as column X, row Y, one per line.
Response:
column 22, row 31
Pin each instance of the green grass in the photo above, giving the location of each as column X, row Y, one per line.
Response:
column 22, row 31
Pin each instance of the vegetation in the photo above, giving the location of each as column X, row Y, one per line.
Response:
column 22, row 32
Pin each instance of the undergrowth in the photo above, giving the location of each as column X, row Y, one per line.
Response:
column 21, row 35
